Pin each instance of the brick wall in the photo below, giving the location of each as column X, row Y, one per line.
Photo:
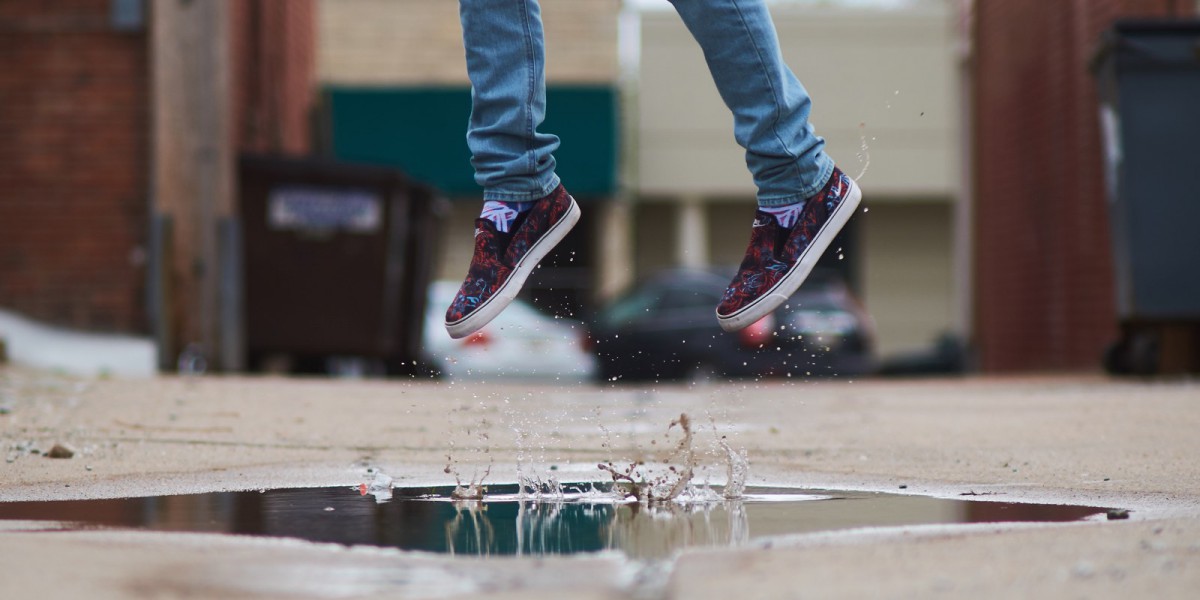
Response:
column 1044, row 289
column 73, row 150
column 74, row 146
column 419, row 42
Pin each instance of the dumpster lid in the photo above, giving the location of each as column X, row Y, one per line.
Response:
column 322, row 169
column 1171, row 26
column 1136, row 42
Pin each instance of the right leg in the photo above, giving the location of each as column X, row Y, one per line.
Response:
column 506, row 64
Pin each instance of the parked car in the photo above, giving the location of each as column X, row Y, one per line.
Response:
column 666, row 329
column 519, row 343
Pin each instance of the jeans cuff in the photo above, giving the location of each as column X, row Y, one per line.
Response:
column 500, row 195
column 804, row 193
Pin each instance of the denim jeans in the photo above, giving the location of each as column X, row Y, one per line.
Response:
column 506, row 63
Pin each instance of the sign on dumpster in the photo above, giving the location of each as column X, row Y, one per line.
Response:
column 319, row 210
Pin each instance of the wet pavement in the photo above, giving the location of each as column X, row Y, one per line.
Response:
column 1081, row 441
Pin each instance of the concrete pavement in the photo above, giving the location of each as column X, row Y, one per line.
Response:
column 1078, row 440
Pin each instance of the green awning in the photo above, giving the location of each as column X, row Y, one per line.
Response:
column 422, row 131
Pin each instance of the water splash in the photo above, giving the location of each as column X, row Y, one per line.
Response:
column 737, row 470
column 475, row 488
column 533, row 485
column 669, row 477
column 534, row 488
column 665, row 486
column 864, row 151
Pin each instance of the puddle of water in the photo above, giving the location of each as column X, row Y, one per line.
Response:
column 505, row 523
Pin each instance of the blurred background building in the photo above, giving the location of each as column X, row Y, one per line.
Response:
column 394, row 91
column 120, row 125
column 885, row 84
column 973, row 125
column 1044, row 284
column 886, row 97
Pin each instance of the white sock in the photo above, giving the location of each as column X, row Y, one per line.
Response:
column 503, row 213
column 786, row 215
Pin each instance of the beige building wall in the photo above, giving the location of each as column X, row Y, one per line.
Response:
column 885, row 79
column 908, row 272
column 419, row 42
column 885, row 91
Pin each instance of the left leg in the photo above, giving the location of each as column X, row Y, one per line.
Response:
column 770, row 107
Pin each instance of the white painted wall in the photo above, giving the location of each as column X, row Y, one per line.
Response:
column 33, row 344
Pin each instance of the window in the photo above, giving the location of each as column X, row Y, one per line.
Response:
column 127, row 15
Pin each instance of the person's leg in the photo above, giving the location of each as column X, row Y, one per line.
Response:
column 506, row 64
column 770, row 107
column 804, row 200
column 526, row 210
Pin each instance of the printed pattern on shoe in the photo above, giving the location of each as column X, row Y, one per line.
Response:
column 487, row 272
column 815, row 214
column 774, row 250
column 760, row 269
column 498, row 253
column 536, row 222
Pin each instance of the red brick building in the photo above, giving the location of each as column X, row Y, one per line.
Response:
column 77, row 132
column 1044, row 297
column 73, row 165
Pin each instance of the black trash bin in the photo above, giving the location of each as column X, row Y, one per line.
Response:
column 337, row 260
column 1149, row 81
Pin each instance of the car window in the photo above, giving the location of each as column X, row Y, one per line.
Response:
column 632, row 307
column 689, row 298
column 811, row 302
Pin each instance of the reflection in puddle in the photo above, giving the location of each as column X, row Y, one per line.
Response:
column 504, row 524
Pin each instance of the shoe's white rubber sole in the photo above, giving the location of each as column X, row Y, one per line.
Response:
column 509, row 289
column 795, row 276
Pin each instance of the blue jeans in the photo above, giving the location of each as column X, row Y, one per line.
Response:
column 506, row 64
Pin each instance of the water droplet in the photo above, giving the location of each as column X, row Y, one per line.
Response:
column 864, row 153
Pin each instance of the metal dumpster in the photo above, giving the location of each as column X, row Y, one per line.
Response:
column 1148, row 74
column 337, row 260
